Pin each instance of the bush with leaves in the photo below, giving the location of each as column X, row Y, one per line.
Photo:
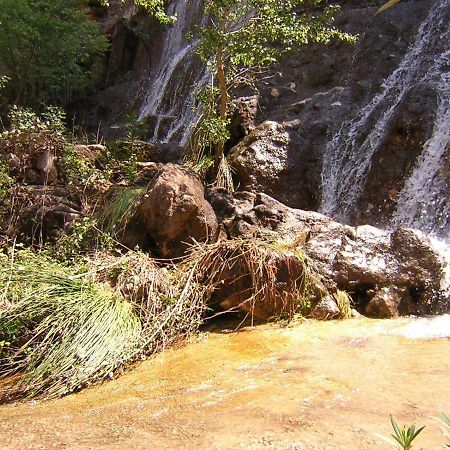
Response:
column 48, row 50
column 31, row 135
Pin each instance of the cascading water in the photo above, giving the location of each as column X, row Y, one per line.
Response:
column 423, row 201
column 170, row 98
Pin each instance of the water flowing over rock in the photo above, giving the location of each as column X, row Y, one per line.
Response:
column 367, row 124
column 386, row 272
column 170, row 97
column 421, row 196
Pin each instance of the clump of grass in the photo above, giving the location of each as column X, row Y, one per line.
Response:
column 73, row 330
column 250, row 275
column 62, row 328
column 445, row 420
column 344, row 303
column 118, row 208
column 224, row 178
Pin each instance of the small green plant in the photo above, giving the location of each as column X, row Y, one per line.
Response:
column 6, row 181
column 85, row 237
column 344, row 303
column 77, row 169
column 404, row 437
column 135, row 129
column 31, row 135
column 445, row 420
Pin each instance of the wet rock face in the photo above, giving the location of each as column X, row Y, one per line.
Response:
column 386, row 273
column 175, row 212
column 395, row 158
column 243, row 120
column 321, row 87
column 271, row 160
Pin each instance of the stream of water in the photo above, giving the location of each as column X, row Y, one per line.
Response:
column 170, row 96
column 311, row 385
column 423, row 202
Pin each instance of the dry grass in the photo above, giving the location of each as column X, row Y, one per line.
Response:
column 252, row 276
column 344, row 303
column 63, row 329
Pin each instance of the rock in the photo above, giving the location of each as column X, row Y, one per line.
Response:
column 326, row 309
column 44, row 164
column 384, row 304
column 403, row 266
column 176, row 213
column 90, row 153
column 169, row 153
column 261, row 280
column 41, row 213
column 243, row 120
column 265, row 161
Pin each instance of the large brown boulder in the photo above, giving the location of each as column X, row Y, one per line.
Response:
column 175, row 212
column 387, row 273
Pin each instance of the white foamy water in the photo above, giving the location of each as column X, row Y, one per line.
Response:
column 426, row 328
column 423, row 202
column 170, row 97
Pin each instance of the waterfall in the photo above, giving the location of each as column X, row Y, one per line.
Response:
column 423, row 201
column 170, row 98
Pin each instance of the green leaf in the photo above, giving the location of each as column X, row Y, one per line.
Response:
column 387, row 5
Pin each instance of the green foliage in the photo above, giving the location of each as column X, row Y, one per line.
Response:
column 255, row 33
column 47, row 49
column 31, row 134
column 404, row 437
column 154, row 7
column 135, row 129
column 445, row 420
column 212, row 128
column 387, row 5
column 6, row 181
column 85, row 237
column 77, row 170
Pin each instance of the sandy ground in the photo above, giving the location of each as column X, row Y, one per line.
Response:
column 307, row 386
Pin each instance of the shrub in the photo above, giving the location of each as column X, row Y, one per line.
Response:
column 47, row 49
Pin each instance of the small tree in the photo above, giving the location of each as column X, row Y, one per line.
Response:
column 246, row 35
column 250, row 34
column 47, row 49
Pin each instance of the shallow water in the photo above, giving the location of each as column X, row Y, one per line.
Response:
column 312, row 385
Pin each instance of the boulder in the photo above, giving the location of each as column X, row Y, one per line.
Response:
column 397, row 272
column 384, row 304
column 92, row 153
column 326, row 309
column 257, row 278
column 41, row 213
column 175, row 212
column 243, row 120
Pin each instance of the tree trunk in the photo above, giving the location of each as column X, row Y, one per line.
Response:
column 223, row 104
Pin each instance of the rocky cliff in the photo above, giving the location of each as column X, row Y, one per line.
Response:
column 362, row 132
